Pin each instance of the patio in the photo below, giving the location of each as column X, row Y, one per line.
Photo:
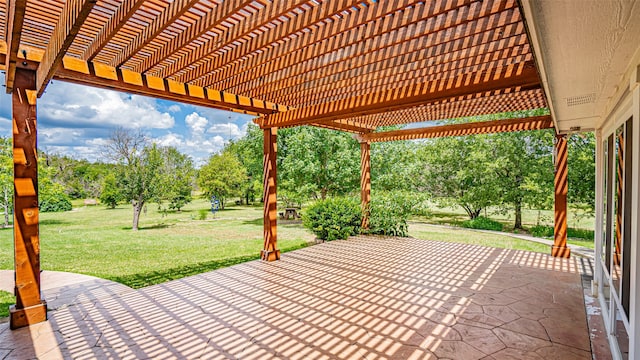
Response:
column 363, row 298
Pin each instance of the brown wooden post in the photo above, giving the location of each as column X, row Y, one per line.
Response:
column 270, row 250
column 365, row 181
column 561, row 186
column 30, row 308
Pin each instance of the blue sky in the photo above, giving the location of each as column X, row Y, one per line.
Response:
column 76, row 120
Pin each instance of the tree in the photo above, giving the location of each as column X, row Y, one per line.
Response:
column 51, row 194
column 394, row 165
column 317, row 162
column 222, row 176
column 523, row 169
column 454, row 171
column 177, row 178
column 249, row 150
column 6, row 177
column 581, row 153
column 110, row 194
column 139, row 171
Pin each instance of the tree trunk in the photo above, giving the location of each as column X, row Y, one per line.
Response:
column 323, row 193
column 137, row 208
column 471, row 212
column 518, row 224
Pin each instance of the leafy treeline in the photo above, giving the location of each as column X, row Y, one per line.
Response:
column 508, row 171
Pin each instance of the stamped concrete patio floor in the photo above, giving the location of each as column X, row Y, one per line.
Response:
column 363, row 298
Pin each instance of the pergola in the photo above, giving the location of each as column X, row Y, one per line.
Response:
column 349, row 65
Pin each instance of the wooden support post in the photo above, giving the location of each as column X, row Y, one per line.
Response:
column 29, row 308
column 270, row 251
column 365, row 181
column 561, row 185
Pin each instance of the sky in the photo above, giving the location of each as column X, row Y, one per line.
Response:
column 77, row 120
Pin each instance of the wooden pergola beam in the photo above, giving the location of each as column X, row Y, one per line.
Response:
column 15, row 20
column 377, row 70
column 73, row 15
column 412, row 30
column 365, row 181
column 30, row 308
column 107, row 77
column 224, row 63
column 270, row 12
column 561, row 185
column 474, row 128
column 522, row 75
column 171, row 13
column 124, row 12
column 270, row 251
column 357, row 30
column 210, row 21
column 334, row 125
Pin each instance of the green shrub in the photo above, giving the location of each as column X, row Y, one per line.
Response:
column 389, row 212
column 580, row 234
column 202, row 214
column 110, row 194
column 542, row 231
column 482, row 223
column 335, row 218
column 547, row 231
column 55, row 202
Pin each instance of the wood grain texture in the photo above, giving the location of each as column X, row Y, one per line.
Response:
column 29, row 307
column 464, row 129
column 270, row 251
column 561, row 186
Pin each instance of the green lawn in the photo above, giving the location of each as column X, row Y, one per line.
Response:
column 455, row 215
column 460, row 235
column 6, row 299
column 98, row 241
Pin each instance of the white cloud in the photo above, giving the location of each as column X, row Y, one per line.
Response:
column 99, row 142
column 83, row 105
column 170, row 139
column 230, row 130
column 196, row 123
column 174, row 108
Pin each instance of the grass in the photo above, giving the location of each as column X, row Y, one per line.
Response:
column 97, row 241
column 460, row 235
column 456, row 215
column 6, row 299
column 580, row 232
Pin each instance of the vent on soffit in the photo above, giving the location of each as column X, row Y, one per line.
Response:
column 581, row 99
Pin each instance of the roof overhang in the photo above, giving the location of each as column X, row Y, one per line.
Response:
column 585, row 52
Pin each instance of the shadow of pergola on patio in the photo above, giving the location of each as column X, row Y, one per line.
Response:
column 363, row 298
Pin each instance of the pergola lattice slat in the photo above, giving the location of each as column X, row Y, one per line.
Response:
column 175, row 9
column 385, row 39
column 269, row 13
column 523, row 75
column 14, row 23
column 209, row 21
column 103, row 76
column 307, row 40
column 111, row 28
column 73, row 16
column 473, row 128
